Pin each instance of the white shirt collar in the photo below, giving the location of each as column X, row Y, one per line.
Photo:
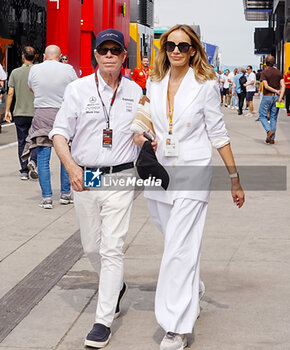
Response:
column 103, row 86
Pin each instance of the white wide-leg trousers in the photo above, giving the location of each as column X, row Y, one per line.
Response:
column 104, row 221
column 177, row 293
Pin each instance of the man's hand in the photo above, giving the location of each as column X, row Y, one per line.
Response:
column 75, row 172
column 279, row 92
column 76, row 178
column 139, row 140
column 8, row 116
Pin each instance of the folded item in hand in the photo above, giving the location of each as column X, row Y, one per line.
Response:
column 148, row 166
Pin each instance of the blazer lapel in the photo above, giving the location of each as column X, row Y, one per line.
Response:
column 187, row 92
column 161, row 101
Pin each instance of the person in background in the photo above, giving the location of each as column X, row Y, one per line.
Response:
column 258, row 83
column 221, row 86
column 273, row 92
column 23, row 110
column 250, row 90
column 64, row 59
column 234, row 98
column 3, row 77
column 226, row 86
column 48, row 81
column 287, row 91
column 141, row 74
column 186, row 116
column 240, row 89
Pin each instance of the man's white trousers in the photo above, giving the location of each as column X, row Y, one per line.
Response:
column 177, row 293
column 104, row 221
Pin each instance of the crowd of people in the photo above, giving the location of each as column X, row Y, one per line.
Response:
column 89, row 123
column 242, row 84
column 236, row 86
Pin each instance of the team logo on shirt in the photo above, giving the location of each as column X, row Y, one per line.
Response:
column 92, row 99
column 129, row 104
column 92, row 178
column 93, row 106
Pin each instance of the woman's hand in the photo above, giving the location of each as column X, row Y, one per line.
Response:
column 237, row 193
column 154, row 145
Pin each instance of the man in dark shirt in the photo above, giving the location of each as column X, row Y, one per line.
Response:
column 274, row 88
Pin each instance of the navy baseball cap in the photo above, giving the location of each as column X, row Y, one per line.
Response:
column 110, row 35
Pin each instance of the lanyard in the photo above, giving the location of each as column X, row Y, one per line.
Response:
column 171, row 109
column 107, row 115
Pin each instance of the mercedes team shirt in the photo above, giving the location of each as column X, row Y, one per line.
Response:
column 81, row 119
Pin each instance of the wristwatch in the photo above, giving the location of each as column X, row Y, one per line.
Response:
column 232, row 176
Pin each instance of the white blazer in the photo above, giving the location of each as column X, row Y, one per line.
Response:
column 198, row 124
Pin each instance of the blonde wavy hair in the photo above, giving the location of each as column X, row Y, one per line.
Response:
column 202, row 69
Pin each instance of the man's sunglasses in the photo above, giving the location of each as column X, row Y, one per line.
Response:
column 64, row 59
column 116, row 51
column 182, row 47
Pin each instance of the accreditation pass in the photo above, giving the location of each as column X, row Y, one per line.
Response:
column 171, row 145
column 107, row 138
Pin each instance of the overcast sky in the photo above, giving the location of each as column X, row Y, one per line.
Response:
column 222, row 23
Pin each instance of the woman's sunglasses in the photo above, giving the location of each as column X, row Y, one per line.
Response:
column 116, row 51
column 182, row 47
column 64, row 59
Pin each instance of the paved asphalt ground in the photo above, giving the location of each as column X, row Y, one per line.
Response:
column 245, row 261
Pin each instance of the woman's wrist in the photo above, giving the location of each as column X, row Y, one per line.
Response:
column 235, row 180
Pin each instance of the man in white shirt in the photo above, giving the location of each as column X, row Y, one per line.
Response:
column 226, row 86
column 96, row 115
column 251, row 89
column 48, row 81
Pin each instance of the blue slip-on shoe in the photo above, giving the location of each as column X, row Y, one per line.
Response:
column 120, row 299
column 99, row 336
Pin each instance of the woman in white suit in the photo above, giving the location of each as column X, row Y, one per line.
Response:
column 185, row 111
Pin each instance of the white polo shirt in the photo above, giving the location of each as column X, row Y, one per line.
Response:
column 226, row 79
column 82, row 119
column 250, row 78
column 48, row 81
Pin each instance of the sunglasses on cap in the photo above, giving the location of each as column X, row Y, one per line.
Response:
column 182, row 47
column 116, row 51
